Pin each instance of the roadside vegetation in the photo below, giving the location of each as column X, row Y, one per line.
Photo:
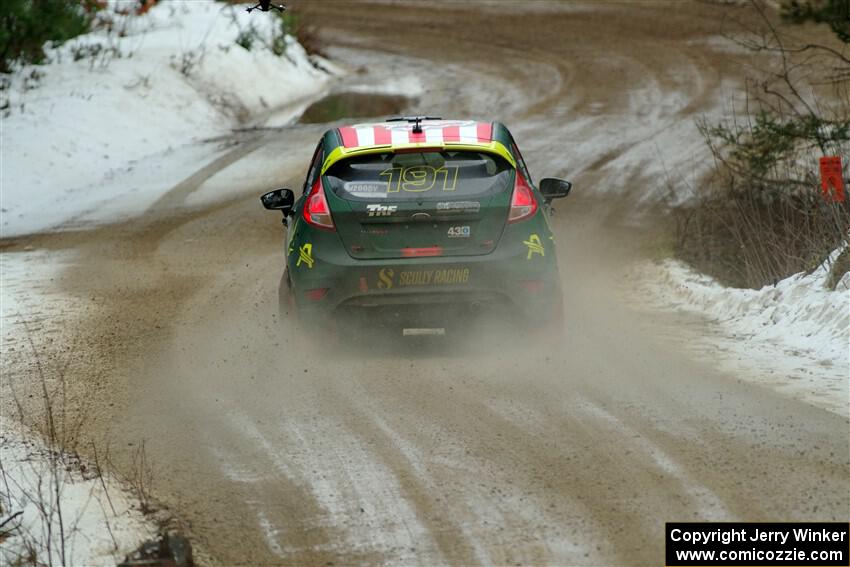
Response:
column 28, row 28
column 56, row 504
column 762, row 216
column 59, row 488
column 289, row 23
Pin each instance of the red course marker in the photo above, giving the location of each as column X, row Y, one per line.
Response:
column 832, row 183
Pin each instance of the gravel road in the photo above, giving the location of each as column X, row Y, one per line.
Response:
column 270, row 449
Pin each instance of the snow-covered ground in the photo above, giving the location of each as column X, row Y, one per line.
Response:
column 61, row 508
column 114, row 120
column 90, row 129
column 99, row 133
column 101, row 519
column 794, row 336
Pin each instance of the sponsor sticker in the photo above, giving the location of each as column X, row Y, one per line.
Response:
column 385, row 278
column 366, row 189
column 459, row 232
column 378, row 210
column 374, row 231
column 388, row 278
column 459, row 206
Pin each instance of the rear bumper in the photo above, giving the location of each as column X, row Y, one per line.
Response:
column 439, row 310
column 430, row 288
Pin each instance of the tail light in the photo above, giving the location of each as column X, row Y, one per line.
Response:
column 523, row 203
column 316, row 210
column 421, row 252
column 532, row 286
column 316, row 294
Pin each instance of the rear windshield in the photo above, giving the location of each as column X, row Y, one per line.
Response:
column 419, row 176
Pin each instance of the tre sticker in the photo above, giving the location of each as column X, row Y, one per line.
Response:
column 459, row 232
column 305, row 255
column 378, row 210
column 535, row 246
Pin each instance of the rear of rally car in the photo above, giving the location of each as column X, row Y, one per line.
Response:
column 422, row 229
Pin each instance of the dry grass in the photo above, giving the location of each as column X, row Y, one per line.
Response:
column 839, row 268
column 744, row 238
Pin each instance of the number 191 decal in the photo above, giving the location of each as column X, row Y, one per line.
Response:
column 459, row 232
column 419, row 178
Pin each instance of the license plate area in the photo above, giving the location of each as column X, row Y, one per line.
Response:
column 423, row 332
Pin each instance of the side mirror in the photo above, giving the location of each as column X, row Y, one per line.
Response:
column 279, row 200
column 552, row 188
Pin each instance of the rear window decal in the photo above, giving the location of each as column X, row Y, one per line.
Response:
column 366, row 189
column 467, row 176
column 420, row 178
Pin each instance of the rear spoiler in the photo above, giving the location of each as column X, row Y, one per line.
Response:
column 495, row 147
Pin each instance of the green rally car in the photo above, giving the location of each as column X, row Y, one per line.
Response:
column 415, row 222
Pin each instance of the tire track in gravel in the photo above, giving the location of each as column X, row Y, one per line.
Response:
column 274, row 451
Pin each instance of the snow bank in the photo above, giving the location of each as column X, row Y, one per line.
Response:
column 147, row 85
column 29, row 470
column 794, row 335
column 101, row 523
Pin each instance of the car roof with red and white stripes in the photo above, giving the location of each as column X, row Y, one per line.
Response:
column 401, row 133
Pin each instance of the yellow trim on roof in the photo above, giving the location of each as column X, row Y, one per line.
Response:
column 341, row 152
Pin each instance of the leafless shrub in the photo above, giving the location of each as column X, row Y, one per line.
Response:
column 188, row 61
column 289, row 22
column 761, row 216
column 39, row 482
column 307, row 35
column 839, row 269
column 141, row 478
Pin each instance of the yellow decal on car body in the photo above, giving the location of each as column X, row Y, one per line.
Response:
column 534, row 246
column 385, row 278
column 305, row 254
column 412, row 278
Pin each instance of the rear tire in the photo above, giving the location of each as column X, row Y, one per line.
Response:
column 287, row 310
column 289, row 322
column 555, row 331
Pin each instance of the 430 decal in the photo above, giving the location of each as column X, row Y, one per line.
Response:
column 420, row 178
